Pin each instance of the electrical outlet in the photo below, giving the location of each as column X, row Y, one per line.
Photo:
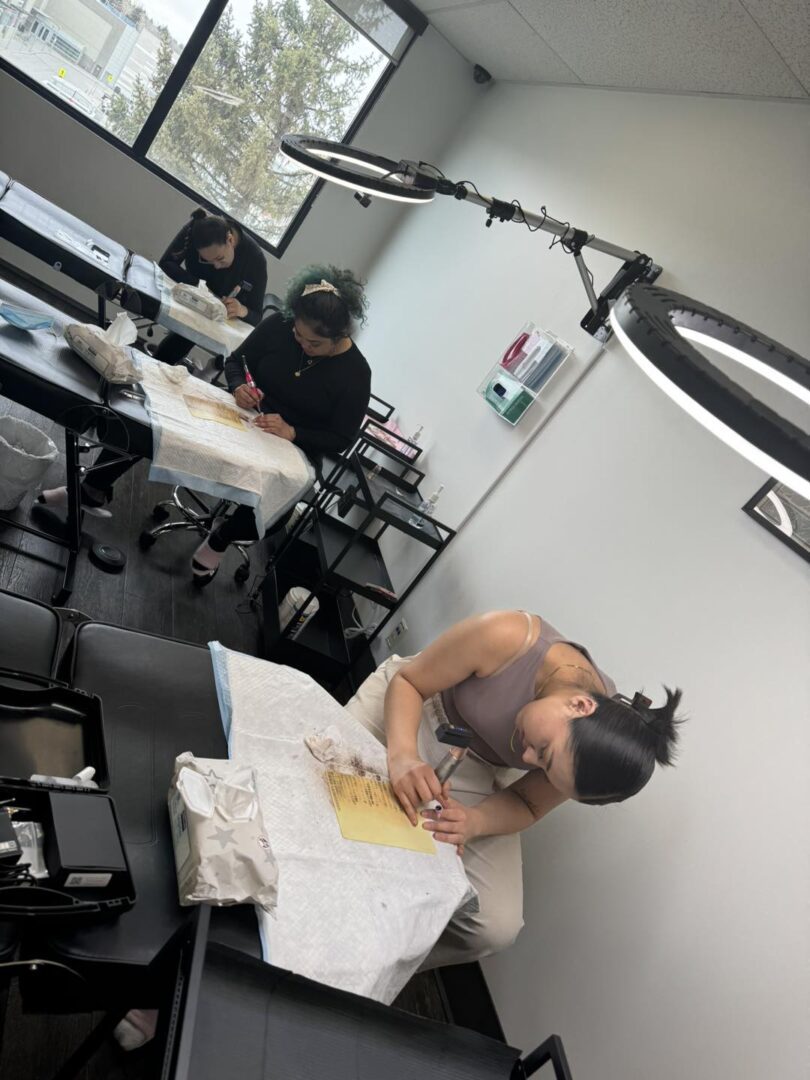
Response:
column 399, row 630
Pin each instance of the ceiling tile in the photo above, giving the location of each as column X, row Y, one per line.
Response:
column 496, row 36
column 786, row 23
column 687, row 45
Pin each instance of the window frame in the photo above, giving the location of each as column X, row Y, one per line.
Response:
column 206, row 24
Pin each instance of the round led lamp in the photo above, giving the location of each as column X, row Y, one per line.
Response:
column 656, row 327
column 357, row 169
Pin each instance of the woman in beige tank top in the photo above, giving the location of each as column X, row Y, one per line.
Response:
column 535, row 701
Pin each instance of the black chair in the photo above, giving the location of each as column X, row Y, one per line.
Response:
column 31, row 649
column 31, row 636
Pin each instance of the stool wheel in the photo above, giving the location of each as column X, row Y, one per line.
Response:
column 241, row 574
column 159, row 513
column 146, row 540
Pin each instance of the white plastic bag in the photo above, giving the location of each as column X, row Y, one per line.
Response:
column 106, row 350
column 200, row 299
column 25, row 455
column 221, row 851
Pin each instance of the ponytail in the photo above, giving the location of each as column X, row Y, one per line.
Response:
column 616, row 748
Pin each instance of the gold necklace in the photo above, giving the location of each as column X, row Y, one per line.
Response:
column 310, row 363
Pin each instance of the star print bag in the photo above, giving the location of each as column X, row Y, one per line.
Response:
column 221, row 851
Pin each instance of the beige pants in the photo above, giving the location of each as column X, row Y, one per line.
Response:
column 493, row 863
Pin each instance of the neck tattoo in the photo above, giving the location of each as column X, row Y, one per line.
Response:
column 548, row 678
column 543, row 685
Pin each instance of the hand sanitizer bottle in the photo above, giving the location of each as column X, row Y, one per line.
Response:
column 426, row 506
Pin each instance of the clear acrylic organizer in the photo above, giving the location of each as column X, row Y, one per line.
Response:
column 527, row 366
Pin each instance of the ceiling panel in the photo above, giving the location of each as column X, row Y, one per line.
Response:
column 692, row 45
column 496, row 36
column 786, row 23
column 758, row 48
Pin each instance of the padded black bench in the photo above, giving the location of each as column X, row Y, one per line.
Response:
column 159, row 699
column 65, row 242
column 235, row 1016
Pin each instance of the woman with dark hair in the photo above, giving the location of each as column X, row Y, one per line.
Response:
column 311, row 384
column 217, row 251
column 533, row 700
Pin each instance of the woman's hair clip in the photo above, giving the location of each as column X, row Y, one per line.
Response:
column 323, row 286
column 637, row 702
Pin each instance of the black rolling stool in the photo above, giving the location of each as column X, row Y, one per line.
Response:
column 199, row 516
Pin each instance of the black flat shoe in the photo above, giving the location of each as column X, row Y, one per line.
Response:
column 201, row 575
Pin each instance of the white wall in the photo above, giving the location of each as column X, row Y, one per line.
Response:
column 48, row 151
column 666, row 937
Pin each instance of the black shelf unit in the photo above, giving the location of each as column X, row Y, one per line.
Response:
column 337, row 561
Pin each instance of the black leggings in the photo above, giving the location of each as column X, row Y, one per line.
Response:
column 106, row 469
column 173, row 348
column 241, row 525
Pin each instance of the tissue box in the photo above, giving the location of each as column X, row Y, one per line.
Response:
column 105, row 350
column 221, row 851
column 200, row 299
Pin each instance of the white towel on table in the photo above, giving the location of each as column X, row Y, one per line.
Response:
column 357, row 916
column 248, row 465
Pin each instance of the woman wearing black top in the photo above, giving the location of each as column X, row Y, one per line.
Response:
column 215, row 250
column 313, row 384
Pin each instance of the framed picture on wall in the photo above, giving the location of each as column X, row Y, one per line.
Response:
column 783, row 513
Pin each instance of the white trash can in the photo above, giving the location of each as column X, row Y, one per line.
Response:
column 25, row 456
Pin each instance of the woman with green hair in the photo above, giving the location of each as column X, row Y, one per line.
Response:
column 311, row 384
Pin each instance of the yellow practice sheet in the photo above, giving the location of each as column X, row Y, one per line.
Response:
column 368, row 810
column 203, row 409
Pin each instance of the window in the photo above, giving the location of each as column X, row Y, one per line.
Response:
column 201, row 92
column 96, row 50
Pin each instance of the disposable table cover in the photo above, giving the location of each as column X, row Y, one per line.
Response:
column 227, row 458
column 357, row 916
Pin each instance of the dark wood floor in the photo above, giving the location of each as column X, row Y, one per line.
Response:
column 153, row 593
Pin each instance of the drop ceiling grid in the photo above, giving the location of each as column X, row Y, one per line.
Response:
column 689, row 46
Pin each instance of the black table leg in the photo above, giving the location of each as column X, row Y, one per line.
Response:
column 73, row 526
